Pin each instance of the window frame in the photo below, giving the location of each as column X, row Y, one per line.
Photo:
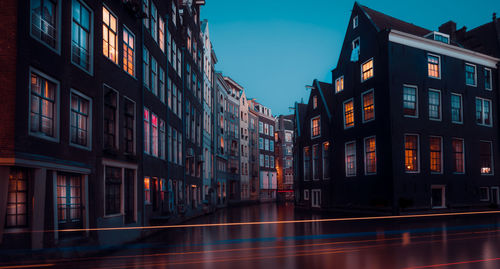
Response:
column 416, row 101
column 365, row 155
column 418, row 154
column 373, row 69
column 344, row 113
column 90, row 71
column 492, row 158
column 453, row 152
column 89, row 120
column 355, row 159
column 439, row 65
column 487, row 199
column 57, row 48
column 440, row 110
column 441, row 165
column 129, row 33
column 134, row 128
column 363, row 105
column 306, row 195
column 312, row 127
column 355, row 22
column 117, row 34
column 461, row 108
column 117, row 115
column 482, row 112
column 324, row 160
column 339, row 83
column 491, row 79
column 443, row 195
column 475, row 74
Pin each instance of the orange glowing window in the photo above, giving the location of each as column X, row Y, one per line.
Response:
column 339, row 84
column 458, row 155
column 411, row 153
column 367, row 70
column 435, row 151
column 486, row 158
column 315, row 102
column 368, row 106
column 128, row 52
column 433, row 66
column 315, row 127
column 109, row 35
column 147, row 190
column 370, row 156
column 349, row 114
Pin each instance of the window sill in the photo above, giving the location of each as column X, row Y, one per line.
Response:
column 113, row 215
column 44, row 137
column 89, row 148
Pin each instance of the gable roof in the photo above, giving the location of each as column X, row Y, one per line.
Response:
column 383, row 21
column 325, row 90
column 300, row 113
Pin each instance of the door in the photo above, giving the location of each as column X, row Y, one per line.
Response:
column 438, row 196
column 129, row 195
column 69, row 201
column 494, row 196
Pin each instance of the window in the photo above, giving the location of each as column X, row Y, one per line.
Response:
column 410, row 101
column 307, row 163
column 81, row 35
column 266, row 129
column 44, row 21
column 154, row 22
column 271, row 161
column 456, row 108
column 43, row 112
column 458, row 155
column 267, row 160
column 110, row 118
column 128, row 52
column 261, row 127
column 315, row 102
column 470, row 75
column 147, row 190
column 271, row 145
column 161, row 85
column 109, row 35
column 356, row 50
column 288, row 137
column 316, row 127
column 484, row 193
column 174, row 148
column 367, row 70
column 145, row 9
column 368, row 106
column 434, row 105
column 355, row 22
column 266, row 144
column 174, row 99
column 438, row 196
column 80, row 118
column 17, row 200
column 69, row 199
column 316, row 198
column 411, row 154
column 145, row 67
column 261, row 143
column 486, row 157
column 350, row 159
column 154, row 76
column 348, row 114
column 261, row 160
column 271, row 130
column 433, row 66
column 154, row 135
column 161, row 34
column 370, row 156
column 315, row 164
column 487, row 79
column 169, row 147
column 326, row 160
column 306, row 195
column 483, row 111
column 129, row 126
column 146, row 131
column 436, row 157
column 113, row 184
column 339, row 84
column 174, row 13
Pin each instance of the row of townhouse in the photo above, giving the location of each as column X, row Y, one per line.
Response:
column 410, row 122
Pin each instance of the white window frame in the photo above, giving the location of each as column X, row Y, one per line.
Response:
column 355, row 158
column 373, row 69
column 354, row 41
column 312, row 127
column 443, row 195
column 439, row 65
column 482, row 111
column 344, row 115
column 440, row 105
column 55, row 138
column 418, row 153
column 461, row 108
column 475, row 74
column 318, row 198
column 122, row 166
column 57, row 48
column 90, row 71
column 337, row 82
column 355, row 22
column 130, row 33
column 363, row 105
column 306, row 195
column 89, row 131
column 491, row 79
column 365, row 156
column 416, row 101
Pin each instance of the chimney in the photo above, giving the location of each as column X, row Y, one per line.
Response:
column 449, row 28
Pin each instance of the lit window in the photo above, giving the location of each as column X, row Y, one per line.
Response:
column 483, row 111
column 315, row 127
column 487, row 79
column 161, row 34
column 434, row 104
column 410, row 104
column 43, row 106
column 470, row 75
column 80, row 120
column 154, row 135
column 315, row 164
column 17, row 200
column 486, row 157
column 146, row 131
column 110, row 115
column 433, row 66
column 128, row 52
column 147, row 190
column 370, row 155
column 326, row 160
column 80, row 31
column 411, row 153
column 458, row 155
column 339, row 84
column 368, row 106
column 307, row 163
column 435, row 148
column 109, row 35
column 154, row 22
column 350, row 159
column 44, row 16
column 145, row 67
column 367, row 70
column 355, row 22
column 456, row 108
column 315, row 102
column 348, row 114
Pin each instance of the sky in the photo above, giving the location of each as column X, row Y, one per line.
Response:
column 274, row 48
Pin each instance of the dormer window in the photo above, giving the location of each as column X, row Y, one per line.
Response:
column 355, row 22
column 439, row 37
column 339, row 84
column 315, row 102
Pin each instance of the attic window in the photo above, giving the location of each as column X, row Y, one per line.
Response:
column 355, row 22
column 439, row 37
column 315, row 102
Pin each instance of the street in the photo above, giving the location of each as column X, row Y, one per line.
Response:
column 469, row 241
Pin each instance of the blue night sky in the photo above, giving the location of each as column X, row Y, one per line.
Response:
column 274, row 48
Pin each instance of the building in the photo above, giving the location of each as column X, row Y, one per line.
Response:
column 410, row 122
column 220, row 135
column 244, row 148
column 283, row 155
column 253, row 151
column 267, row 170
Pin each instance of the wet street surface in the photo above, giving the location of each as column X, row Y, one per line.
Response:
column 468, row 241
